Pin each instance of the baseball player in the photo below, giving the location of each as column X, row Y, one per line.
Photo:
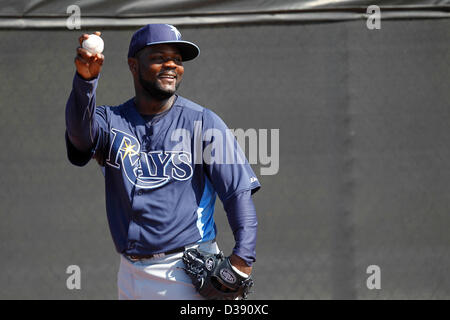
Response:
column 161, row 157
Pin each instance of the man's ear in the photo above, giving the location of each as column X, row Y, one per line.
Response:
column 133, row 65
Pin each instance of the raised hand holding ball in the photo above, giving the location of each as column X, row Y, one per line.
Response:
column 94, row 44
column 89, row 59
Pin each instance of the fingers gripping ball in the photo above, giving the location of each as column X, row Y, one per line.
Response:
column 94, row 44
column 213, row 277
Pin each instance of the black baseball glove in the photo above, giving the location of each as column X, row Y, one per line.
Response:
column 213, row 276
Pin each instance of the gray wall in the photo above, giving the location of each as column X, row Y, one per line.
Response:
column 364, row 146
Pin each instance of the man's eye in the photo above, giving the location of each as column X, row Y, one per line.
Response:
column 161, row 59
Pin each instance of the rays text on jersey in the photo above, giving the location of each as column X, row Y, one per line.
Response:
column 147, row 169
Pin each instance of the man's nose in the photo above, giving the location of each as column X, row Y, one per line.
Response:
column 169, row 63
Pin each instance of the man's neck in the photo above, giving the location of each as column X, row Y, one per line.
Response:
column 149, row 106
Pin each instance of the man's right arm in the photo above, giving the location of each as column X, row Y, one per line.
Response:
column 81, row 128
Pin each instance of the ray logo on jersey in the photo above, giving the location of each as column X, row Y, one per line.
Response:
column 147, row 169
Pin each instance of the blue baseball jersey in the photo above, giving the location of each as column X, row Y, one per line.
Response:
column 161, row 175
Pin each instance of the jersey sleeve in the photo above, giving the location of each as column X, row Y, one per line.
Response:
column 234, row 181
column 224, row 161
column 86, row 124
column 242, row 218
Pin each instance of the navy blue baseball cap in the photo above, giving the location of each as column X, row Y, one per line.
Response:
column 162, row 33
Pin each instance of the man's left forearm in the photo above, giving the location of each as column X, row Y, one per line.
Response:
column 242, row 218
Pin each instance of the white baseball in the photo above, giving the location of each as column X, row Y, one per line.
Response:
column 94, row 44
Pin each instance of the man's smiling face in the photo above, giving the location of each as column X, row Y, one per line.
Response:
column 160, row 70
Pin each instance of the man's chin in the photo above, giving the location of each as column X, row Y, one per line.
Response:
column 158, row 92
column 168, row 89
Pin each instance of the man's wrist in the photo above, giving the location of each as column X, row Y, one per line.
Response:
column 85, row 79
column 239, row 264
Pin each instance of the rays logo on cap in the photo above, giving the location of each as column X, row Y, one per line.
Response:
column 175, row 30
